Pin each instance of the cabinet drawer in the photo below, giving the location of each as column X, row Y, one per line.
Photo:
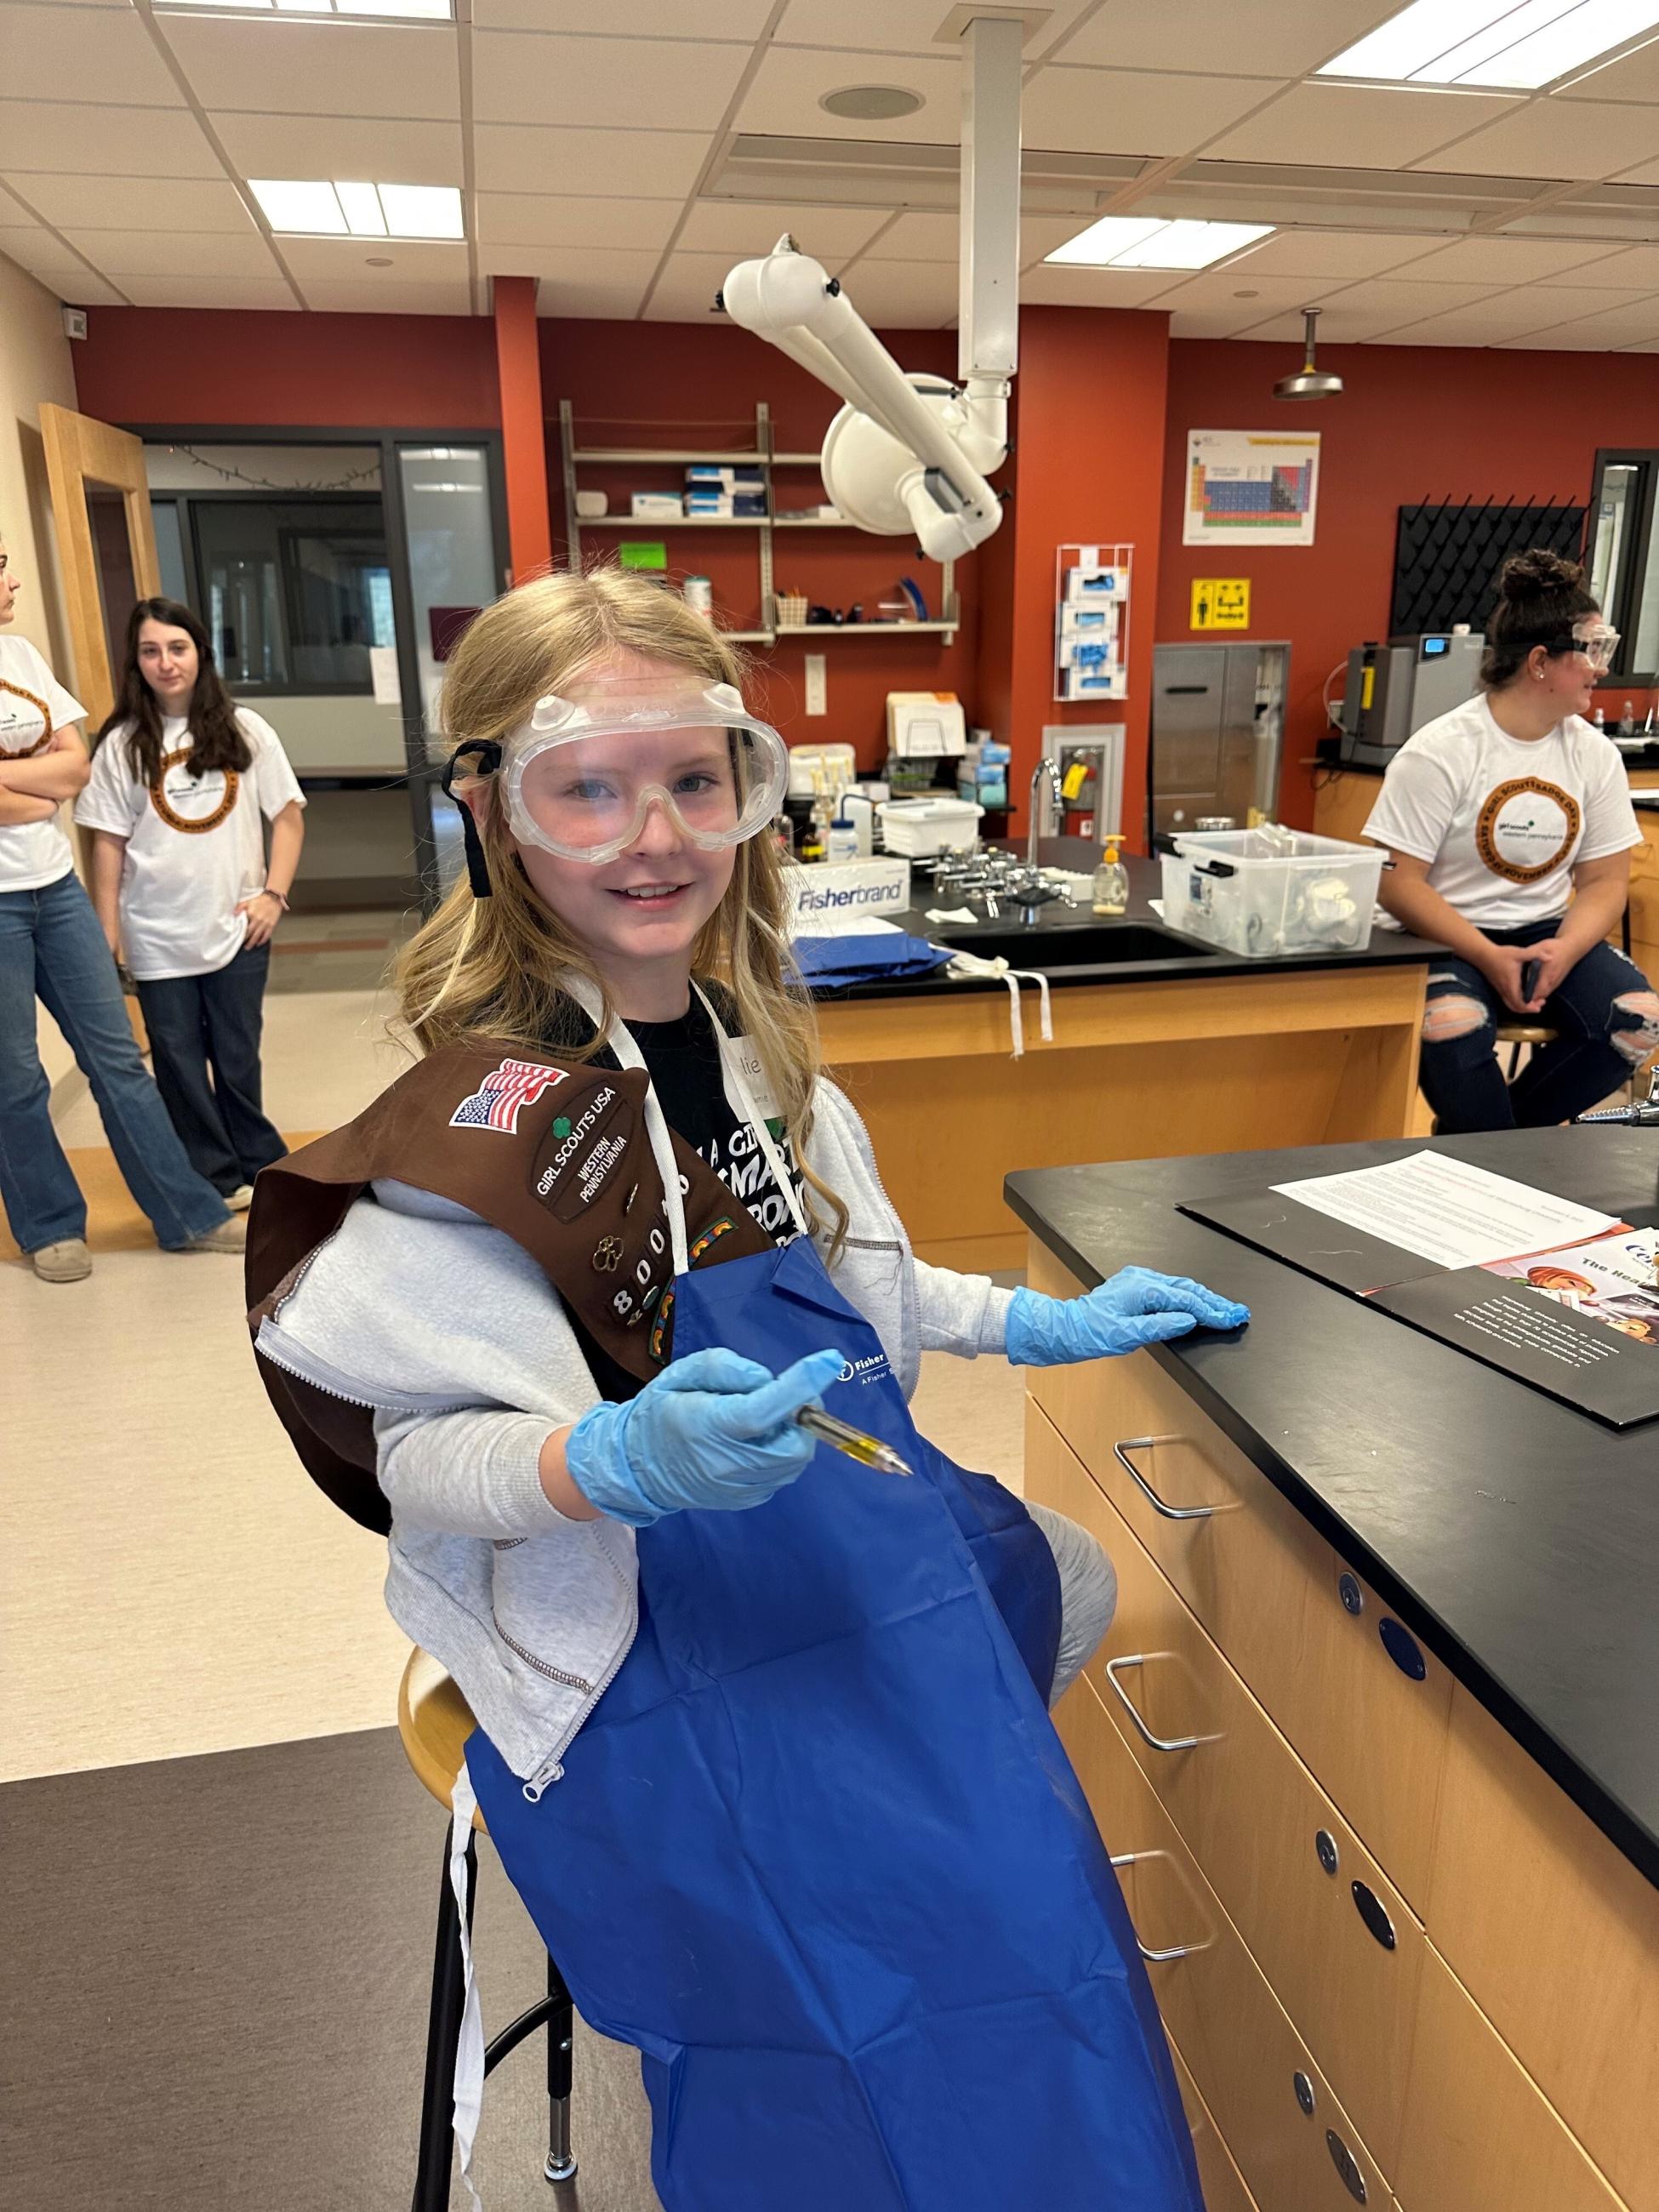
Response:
column 1251, row 2068
column 1289, row 1871
column 1222, row 2182
column 1478, row 2133
column 1556, row 1936
column 1304, row 1630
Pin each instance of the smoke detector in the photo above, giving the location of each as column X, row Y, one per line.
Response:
column 1308, row 382
column 870, row 103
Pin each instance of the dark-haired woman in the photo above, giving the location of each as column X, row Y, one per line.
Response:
column 1510, row 826
column 183, row 781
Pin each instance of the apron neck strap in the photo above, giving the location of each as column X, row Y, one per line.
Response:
column 739, row 1094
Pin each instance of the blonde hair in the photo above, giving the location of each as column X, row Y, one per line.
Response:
column 495, row 968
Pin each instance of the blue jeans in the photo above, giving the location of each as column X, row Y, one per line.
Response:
column 50, row 944
column 204, row 1047
column 1606, row 1023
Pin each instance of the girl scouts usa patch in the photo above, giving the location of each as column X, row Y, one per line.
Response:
column 496, row 1102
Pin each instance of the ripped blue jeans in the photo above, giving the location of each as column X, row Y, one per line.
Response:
column 1606, row 1017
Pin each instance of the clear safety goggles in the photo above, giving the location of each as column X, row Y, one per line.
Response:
column 581, row 776
column 1596, row 641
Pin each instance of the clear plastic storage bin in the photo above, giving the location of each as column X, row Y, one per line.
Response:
column 1268, row 891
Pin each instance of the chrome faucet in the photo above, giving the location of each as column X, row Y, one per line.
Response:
column 1045, row 767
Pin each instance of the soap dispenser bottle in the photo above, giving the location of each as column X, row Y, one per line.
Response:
column 1111, row 881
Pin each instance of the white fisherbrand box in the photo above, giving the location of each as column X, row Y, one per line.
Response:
column 838, row 890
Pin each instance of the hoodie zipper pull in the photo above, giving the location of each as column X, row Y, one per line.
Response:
column 553, row 1771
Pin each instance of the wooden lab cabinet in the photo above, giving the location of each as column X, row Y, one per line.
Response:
column 1397, row 1965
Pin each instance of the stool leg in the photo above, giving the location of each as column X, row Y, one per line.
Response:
column 561, row 2024
column 433, row 2167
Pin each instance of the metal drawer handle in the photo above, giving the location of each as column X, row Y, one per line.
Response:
column 1121, row 1451
column 1171, row 1951
column 1154, row 1742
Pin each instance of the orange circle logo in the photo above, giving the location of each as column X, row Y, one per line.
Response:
column 192, row 825
column 8, row 715
column 1526, row 828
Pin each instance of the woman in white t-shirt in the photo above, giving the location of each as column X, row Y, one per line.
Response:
column 1510, row 826
column 183, row 781
column 51, row 948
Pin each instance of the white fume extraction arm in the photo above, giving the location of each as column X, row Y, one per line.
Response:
column 908, row 455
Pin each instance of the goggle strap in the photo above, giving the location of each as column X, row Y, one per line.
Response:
column 487, row 755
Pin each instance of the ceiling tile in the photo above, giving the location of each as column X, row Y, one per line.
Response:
column 1355, row 127
column 521, row 78
column 59, row 137
column 1554, row 138
column 615, row 302
column 78, row 287
column 384, row 149
column 283, row 67
column 346, row 260
column 33, row 247
column 1570, row 303
column 1484, row 323
column 339, row 298
column 1646, row 173
column 686, row 291
column 669, row 19
column 1635, row 265
column 1336, row 327
column 1635, row 77
column 783, row 98
column 207, row 292
column 876, row 27
column 746, row 227
column 549, row 219
column 512, row 157
column 139, row 204
column 1599, row 333
column 1286, row 39
column 903, row 294
column 575, row 264
column 1231, row 300
column 1509, row 260
column 929, row 237
column 1332, row 254
column 1061, row 287
column 106, row 55
column 1408, row 295
column 1133, row 111
column 162, row 252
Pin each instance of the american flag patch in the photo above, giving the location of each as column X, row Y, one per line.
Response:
column 495, row 1105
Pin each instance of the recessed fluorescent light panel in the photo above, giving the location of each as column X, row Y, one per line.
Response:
column 301, row 209
column 1507, row 47
column 425, row 11
column 1123, row 242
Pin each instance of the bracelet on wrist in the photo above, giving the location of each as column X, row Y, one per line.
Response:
column 281, row 898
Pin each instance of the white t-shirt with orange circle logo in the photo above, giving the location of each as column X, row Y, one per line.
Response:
column 195, row 845
column 1502, row 820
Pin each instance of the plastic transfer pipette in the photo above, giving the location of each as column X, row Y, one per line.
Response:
column 841, row 1437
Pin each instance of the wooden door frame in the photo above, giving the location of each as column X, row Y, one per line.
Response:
column 81, row 451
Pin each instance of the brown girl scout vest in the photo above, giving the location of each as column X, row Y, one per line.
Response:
column 554, row 1153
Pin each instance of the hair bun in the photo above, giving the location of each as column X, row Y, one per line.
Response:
column 1527, row 575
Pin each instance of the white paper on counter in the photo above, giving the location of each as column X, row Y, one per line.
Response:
column 383, row 673
column 1447, row 1211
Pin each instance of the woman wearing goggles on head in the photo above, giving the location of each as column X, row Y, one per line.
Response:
column 738, row 1700
column 1511, row 826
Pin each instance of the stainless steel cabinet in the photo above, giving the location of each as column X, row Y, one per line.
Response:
column 1218, row 721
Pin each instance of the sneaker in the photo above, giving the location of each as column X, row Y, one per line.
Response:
column 229, row 1237
column 240, row 1198
column 67, row 1260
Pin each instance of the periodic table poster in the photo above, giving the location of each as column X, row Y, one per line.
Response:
column 1251, row 487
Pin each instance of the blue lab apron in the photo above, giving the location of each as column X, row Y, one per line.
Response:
column 819, row 1853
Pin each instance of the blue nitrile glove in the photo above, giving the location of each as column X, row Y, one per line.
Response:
column 713, row 1430
column 1135, row 1308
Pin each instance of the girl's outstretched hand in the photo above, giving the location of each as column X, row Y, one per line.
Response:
column 1133, row 1308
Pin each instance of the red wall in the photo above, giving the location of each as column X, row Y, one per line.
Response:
column 187, row 365
column 695, row 387
column 1415, row 423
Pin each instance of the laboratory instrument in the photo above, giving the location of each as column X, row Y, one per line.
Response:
column 1393, row 689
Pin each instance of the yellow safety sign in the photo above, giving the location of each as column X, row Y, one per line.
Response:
column 1221, row 603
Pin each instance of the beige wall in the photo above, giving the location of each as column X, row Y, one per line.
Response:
column 35, row 364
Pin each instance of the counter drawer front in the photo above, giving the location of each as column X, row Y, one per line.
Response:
column 1478, row 2132
column 1222, row 2182
column 1244, row 2054
column 1556, row 1936
column 1254, row 1818
column 1302, row 1629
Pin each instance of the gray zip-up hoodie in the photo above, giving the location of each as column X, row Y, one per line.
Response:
column 456, row 1338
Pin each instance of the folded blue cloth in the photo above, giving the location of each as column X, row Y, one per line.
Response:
column 828, row 961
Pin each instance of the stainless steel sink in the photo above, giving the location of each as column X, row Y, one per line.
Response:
column 1077, row 945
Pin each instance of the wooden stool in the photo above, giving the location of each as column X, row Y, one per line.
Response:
column 435, row 1721
column 1517, row 1033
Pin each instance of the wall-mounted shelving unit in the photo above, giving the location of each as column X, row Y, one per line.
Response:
column 764, row 459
